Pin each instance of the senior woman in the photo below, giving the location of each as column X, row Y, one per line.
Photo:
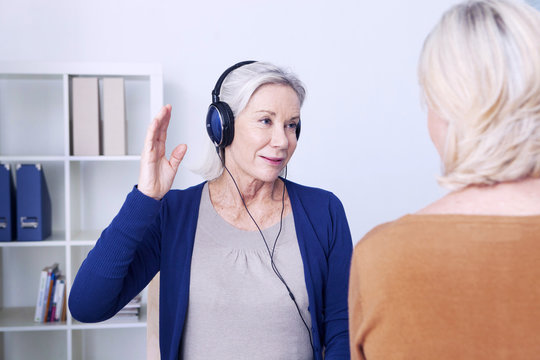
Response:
column 253, row 266
column 460, row 279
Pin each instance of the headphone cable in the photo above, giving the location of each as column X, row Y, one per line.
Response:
column 271, row 253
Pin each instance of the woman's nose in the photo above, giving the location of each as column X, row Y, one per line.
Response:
column 279, row 137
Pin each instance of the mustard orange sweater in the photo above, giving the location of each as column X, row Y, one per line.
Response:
column 447, row 287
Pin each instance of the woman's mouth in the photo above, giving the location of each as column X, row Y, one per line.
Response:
column 273, row 160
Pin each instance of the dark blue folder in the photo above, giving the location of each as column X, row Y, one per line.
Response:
column 34, row 220
column 7, row 204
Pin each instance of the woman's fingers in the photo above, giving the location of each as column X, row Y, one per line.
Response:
column 163, row 119
column 156, row 135
column 177, row 155
column 150, row 133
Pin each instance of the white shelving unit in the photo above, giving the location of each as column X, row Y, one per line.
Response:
column 86, row 193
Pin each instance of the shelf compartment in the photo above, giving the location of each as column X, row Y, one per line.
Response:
column 54, row 172
column 98, row 190
column 138, row 113
column 104, row 343
column 22, row 319
column 19, row 284
column 31, row 107
column 34, row 344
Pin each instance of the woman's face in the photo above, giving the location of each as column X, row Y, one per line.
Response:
column 264, row 134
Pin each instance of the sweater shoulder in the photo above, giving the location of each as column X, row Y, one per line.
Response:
column 309, row 193
column 192, row 192
column 387, row 232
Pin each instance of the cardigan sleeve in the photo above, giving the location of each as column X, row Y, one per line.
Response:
column 335, row 295
column 123, row 261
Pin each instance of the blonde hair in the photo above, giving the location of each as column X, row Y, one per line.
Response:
column 480, row 70
column 236, row 91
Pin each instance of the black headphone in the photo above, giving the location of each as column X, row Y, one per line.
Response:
column 220, row 118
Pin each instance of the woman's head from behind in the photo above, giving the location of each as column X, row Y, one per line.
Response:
column 245, row 90
column 480, row 70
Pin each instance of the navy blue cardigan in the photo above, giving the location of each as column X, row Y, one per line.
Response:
column 148, row 236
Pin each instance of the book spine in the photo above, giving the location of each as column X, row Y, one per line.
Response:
column 58, row 299
column 63, row 315
column 54, row 301
column 38, row 316
column 114, row 118
column 45, row 295
column 47, row 315
column 85, row 116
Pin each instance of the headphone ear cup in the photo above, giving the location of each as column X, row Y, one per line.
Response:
column 214, row 125
column 220, row 124
column 228, row 124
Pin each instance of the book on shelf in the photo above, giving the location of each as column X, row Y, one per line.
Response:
column 43, row 291
column 34, row 208
column 85, row 116
column 55, row 309
column 114, row 117
column 7, row 204
column 51, row 298
column 50, row 291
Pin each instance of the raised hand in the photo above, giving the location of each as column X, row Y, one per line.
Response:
column 157, row 174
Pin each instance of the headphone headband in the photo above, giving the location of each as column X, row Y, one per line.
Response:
column 217, row 88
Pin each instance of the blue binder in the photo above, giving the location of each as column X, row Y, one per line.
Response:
column 34, row 220
column 7, row 204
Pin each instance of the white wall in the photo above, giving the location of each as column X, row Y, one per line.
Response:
column 363, row 129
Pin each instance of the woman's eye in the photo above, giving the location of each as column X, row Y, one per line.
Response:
column 292, row 125
column 265, row 121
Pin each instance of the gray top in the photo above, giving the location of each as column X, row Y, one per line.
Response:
column 238, row 308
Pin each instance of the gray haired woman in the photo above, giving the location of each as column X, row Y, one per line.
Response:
column 253, row 266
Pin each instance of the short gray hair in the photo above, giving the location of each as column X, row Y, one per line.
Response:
column 237, row 89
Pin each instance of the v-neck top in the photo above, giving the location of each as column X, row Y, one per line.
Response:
column 238, row 307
